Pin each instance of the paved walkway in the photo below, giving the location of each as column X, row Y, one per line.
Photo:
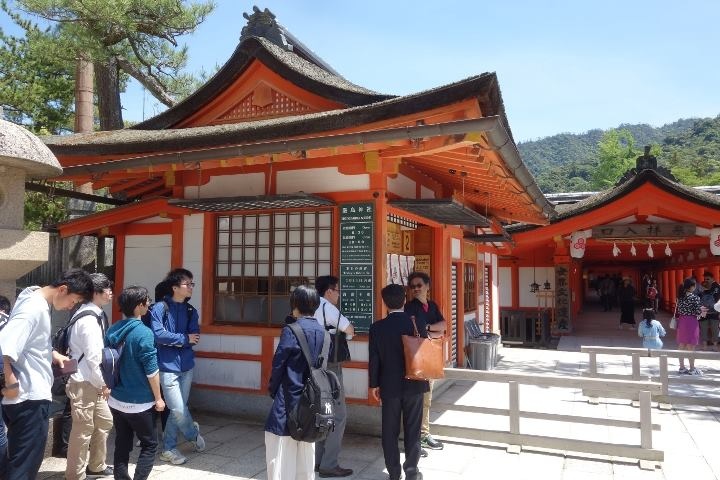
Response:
column 689, row 436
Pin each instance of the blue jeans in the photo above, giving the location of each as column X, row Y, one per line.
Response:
column 176, row 391
column 27, row 423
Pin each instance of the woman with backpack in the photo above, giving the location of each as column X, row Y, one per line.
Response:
column 287, row 458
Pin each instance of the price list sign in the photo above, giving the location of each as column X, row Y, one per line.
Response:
column 356, row 263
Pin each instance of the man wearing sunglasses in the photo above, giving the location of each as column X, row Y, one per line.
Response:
column 426, row 312
column 176, row 327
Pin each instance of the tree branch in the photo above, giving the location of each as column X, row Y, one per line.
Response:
column 157, row 89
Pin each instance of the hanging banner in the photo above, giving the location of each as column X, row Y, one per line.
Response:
column 715, row 241
column 578, row 242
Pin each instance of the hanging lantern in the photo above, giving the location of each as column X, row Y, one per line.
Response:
column 547, row 285
column 650, row 252
column 615, row 250
column 633, row 251
column 668, row 252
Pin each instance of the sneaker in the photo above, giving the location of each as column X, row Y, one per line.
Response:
column 697, row 372
column 199, row 442
column 173, row 456
column 108, row 472
column 683, row 371
column 423, row 452
column 429, row 442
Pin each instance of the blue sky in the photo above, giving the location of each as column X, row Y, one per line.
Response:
column 563, row 66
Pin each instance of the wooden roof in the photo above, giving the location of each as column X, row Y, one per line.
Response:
column 267, row 93
column 647, row 197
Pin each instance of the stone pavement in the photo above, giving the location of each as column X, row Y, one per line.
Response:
column 689, row 436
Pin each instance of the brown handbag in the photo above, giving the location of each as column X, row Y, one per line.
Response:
column 423, row 356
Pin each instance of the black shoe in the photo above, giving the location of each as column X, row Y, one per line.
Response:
column 335, row 472
column 108, row 472
column 317, row 467
column 429, row 442
column 423, row 453
column 418, row 476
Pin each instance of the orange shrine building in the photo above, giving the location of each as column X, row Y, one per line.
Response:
column 279, row 170
column 647, row 226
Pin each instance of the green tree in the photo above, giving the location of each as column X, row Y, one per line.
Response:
column 36, row 80
column 616, row 155
column 137, row 38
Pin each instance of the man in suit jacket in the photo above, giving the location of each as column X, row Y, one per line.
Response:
column 389, row 385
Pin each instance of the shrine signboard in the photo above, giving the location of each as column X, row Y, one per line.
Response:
column 644, row 231
column 357, row 229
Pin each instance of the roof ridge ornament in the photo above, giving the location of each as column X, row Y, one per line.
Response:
column 262, row 23
column 646, row 161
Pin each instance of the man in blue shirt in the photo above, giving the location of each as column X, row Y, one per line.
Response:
column 176, row 328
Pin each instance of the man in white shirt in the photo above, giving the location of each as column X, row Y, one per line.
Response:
column 328, row 315
column 27, row 356
column 86, row 389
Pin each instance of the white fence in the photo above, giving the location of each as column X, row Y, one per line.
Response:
column 516, row 440
column 664, row 398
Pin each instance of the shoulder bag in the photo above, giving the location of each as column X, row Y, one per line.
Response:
column 424, row 358
column 339, row 349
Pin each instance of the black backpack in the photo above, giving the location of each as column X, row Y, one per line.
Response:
column 61, row 344
column 313, row 418
column 61, row 339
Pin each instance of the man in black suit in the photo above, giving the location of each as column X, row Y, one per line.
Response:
column 389, row 385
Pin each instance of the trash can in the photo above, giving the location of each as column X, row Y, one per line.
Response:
column 481, row 348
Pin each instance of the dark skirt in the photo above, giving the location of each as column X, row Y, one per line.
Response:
column 627, row 312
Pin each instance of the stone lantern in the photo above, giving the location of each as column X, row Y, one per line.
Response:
column 22, row 156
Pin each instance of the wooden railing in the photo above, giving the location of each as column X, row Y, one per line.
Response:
column 664, row 398
column 516, row 440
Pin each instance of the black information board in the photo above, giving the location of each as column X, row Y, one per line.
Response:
column 356, row 263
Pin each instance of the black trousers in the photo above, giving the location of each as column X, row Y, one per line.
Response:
column 410, row 407
column 27, row 424
column 141, row 424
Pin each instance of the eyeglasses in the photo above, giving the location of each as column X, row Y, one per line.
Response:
column 417, row 285
column 190, row 284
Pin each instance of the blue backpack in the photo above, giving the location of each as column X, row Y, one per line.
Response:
column 110, row 362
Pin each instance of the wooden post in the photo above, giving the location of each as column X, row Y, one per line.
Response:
column 593, row 364
column 636, row 366
column 593, row 373
column 664, row 380
column 645, row 420
column 514, row 414
column 645, row 428
column 514, row 407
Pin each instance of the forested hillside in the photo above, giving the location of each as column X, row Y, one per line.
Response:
column 566, row 162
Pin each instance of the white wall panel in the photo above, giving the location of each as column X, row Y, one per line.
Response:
column 231, row 344
column 358, row 351
column 148, row 241
column 355, row 381
column 157, row 219
column 227, row 373
column 147, row 260
column 242, row 184
column 426, row 192
column 193, row 255
column 455, row 248
column 528, row 299
column 505, row 281
column 318, row 180
column 402, row 185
